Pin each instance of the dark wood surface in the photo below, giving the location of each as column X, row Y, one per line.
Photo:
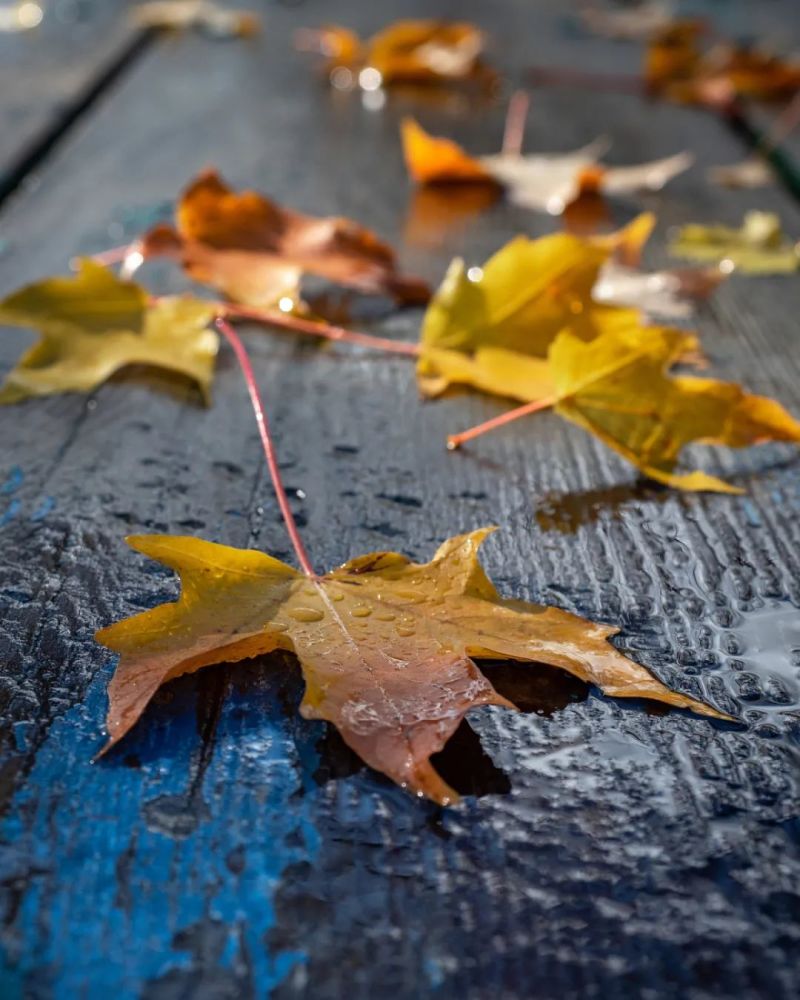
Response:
column 230, row 849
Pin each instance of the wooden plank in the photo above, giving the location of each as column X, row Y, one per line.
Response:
column 49, row 73
column 230, row 848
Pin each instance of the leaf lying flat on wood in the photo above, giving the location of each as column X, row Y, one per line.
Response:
column 411, row 51
column 256, row 252
column 386, row 645
column 542, row 182
column 491, row 327
column 619, row 388
column 204, row 14
column 758, row 247
column 94, row 324
column 677, row 66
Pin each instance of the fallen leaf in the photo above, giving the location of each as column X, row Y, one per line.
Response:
column 385, row 645
column 491, row 327
column 677, row 67
column 407, row 51
column 519, row 300
column 204, row 14
column 94, row 324
column 542, row 182
column 256, row 252
column 636, row 24
column 758, row 247
column 618, row 387
column 431, row 160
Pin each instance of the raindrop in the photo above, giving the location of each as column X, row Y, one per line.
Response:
column 306, row 614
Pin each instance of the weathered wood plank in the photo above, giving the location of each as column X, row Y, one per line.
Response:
column 230, row 848
column 48, row 74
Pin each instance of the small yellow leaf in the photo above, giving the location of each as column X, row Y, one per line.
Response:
column 386, row 645
column 758, row 247
column 94, row 324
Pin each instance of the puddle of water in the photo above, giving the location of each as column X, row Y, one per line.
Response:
column 769, row 641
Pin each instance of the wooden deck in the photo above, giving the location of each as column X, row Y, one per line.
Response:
column 230, row 849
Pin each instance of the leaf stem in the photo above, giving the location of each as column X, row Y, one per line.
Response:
column 320, row 329
column 239, row 350
column 456, row 440
column 516, row 116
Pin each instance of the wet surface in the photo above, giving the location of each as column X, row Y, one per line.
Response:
column 230, row 847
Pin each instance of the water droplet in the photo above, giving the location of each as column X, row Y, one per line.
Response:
column 306, row 614
column 385, row 616
column 337, row 596
column 404, row 630
column 362, row 611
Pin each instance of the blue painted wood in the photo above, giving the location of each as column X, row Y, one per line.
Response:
column 231, row 849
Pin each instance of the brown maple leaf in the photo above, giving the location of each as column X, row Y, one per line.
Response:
column 386, row 645
column 255, row 251
column 677, row 66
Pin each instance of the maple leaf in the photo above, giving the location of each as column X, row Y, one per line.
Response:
column 491, row 327
column 407, row 51
column 758, row 247
column 203, row 14
column 386, row 645
column 94, row 324
column 677, row 67
column 619, row 388
column 544, row 182
column 255, row 251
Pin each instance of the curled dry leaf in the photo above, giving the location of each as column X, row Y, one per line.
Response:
column 256, row 252
column 678, row 67
column 542, row 182
column 94, row 324
column 758, row 247
column 412, row 51
column 204, row 14
column 386, row 646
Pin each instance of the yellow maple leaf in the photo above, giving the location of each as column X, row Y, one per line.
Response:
column 619, row 388
column 491, row 327
column 94, row 324
column 386, row 645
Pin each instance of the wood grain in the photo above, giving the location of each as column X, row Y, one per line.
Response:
column 230, row 849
